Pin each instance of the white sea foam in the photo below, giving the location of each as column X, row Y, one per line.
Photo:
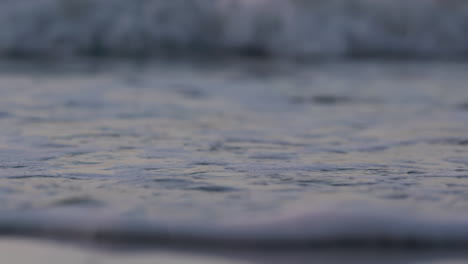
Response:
column 289, row 28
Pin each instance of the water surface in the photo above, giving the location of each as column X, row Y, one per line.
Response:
column 236, row 150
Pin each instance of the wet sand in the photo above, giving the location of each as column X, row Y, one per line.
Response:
column 26, row 251
column 21, row 251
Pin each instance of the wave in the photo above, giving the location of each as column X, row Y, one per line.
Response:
column 276, row 28
column 329, row 227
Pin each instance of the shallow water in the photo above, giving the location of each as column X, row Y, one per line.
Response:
column 314, row 153
column 235, row 151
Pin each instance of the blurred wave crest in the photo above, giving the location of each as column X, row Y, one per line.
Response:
column 278, row 28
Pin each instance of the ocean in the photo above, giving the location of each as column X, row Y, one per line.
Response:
column 244, row 131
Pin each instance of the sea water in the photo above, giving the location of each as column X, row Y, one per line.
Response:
column 236, row 124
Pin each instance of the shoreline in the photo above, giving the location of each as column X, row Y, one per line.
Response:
column 13, row 250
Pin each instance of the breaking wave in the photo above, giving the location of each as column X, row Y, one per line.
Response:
column 335, row 227
column 276, row 28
